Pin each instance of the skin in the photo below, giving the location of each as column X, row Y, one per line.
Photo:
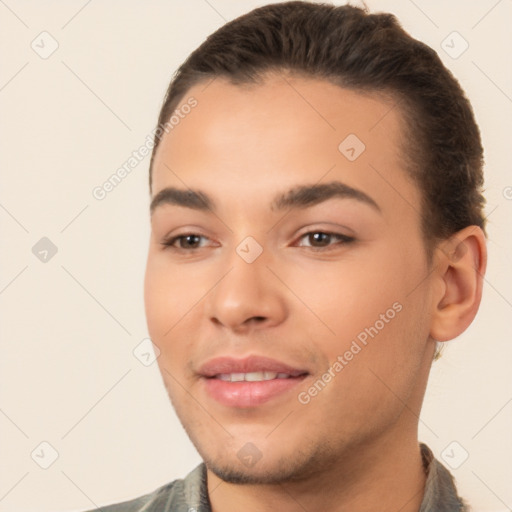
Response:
column 354, row 446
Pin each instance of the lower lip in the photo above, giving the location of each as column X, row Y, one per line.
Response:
column 248, row 394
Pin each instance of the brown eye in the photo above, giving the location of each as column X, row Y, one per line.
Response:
column 189, row 241
column 319, row 239
column 184, row 242
column 322, row 239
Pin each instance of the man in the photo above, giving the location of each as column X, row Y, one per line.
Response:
column 317, row 230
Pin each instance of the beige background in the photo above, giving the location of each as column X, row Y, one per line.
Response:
column 70, row 325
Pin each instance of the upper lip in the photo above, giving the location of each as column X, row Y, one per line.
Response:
column 253, row 363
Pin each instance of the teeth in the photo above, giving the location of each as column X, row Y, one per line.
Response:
column 251, row 376
column 256, row 376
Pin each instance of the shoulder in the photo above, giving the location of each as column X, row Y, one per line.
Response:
column 440, row 488
column 152, row 501
column 181, row 494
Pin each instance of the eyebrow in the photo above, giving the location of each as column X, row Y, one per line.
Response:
column 302, row 196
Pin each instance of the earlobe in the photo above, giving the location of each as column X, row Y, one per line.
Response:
column 459, row 269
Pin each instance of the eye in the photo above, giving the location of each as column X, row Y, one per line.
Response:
column 187, row 241
column 322, row 239
column 315, row 240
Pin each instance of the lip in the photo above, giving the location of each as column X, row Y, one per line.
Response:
column 248, row 364
column 248, row 394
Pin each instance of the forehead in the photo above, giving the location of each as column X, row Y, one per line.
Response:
column 239, row 140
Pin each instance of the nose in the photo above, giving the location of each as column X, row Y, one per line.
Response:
column 248, row 297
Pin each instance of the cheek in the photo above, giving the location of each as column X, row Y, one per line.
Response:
column 351, row 294
column 172, row 297
column 164, row 300
column 369, row 307
column 379, row 314
column 155, row 299
column 170, row 291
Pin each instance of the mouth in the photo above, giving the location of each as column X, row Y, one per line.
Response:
column 249, row 382
column 253, row 376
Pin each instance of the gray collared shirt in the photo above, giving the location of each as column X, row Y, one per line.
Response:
column 190, row 494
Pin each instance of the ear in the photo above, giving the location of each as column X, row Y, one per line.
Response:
column 460, row 264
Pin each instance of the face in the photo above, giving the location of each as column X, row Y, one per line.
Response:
column 289, row 294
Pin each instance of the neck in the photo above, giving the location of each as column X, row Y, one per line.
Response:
column 387, row 475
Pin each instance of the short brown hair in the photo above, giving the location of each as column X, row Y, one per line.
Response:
column 359, row 51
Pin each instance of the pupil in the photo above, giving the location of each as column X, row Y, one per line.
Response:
column 191, row 239
column 320, row 237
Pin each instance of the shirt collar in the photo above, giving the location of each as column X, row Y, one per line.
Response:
column 440, row 490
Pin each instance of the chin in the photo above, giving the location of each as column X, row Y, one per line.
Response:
column 236, row 473
column 249, row 466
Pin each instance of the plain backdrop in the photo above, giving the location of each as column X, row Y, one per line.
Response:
column 81, row 84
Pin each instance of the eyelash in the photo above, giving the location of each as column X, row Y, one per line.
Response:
column 344, row 239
